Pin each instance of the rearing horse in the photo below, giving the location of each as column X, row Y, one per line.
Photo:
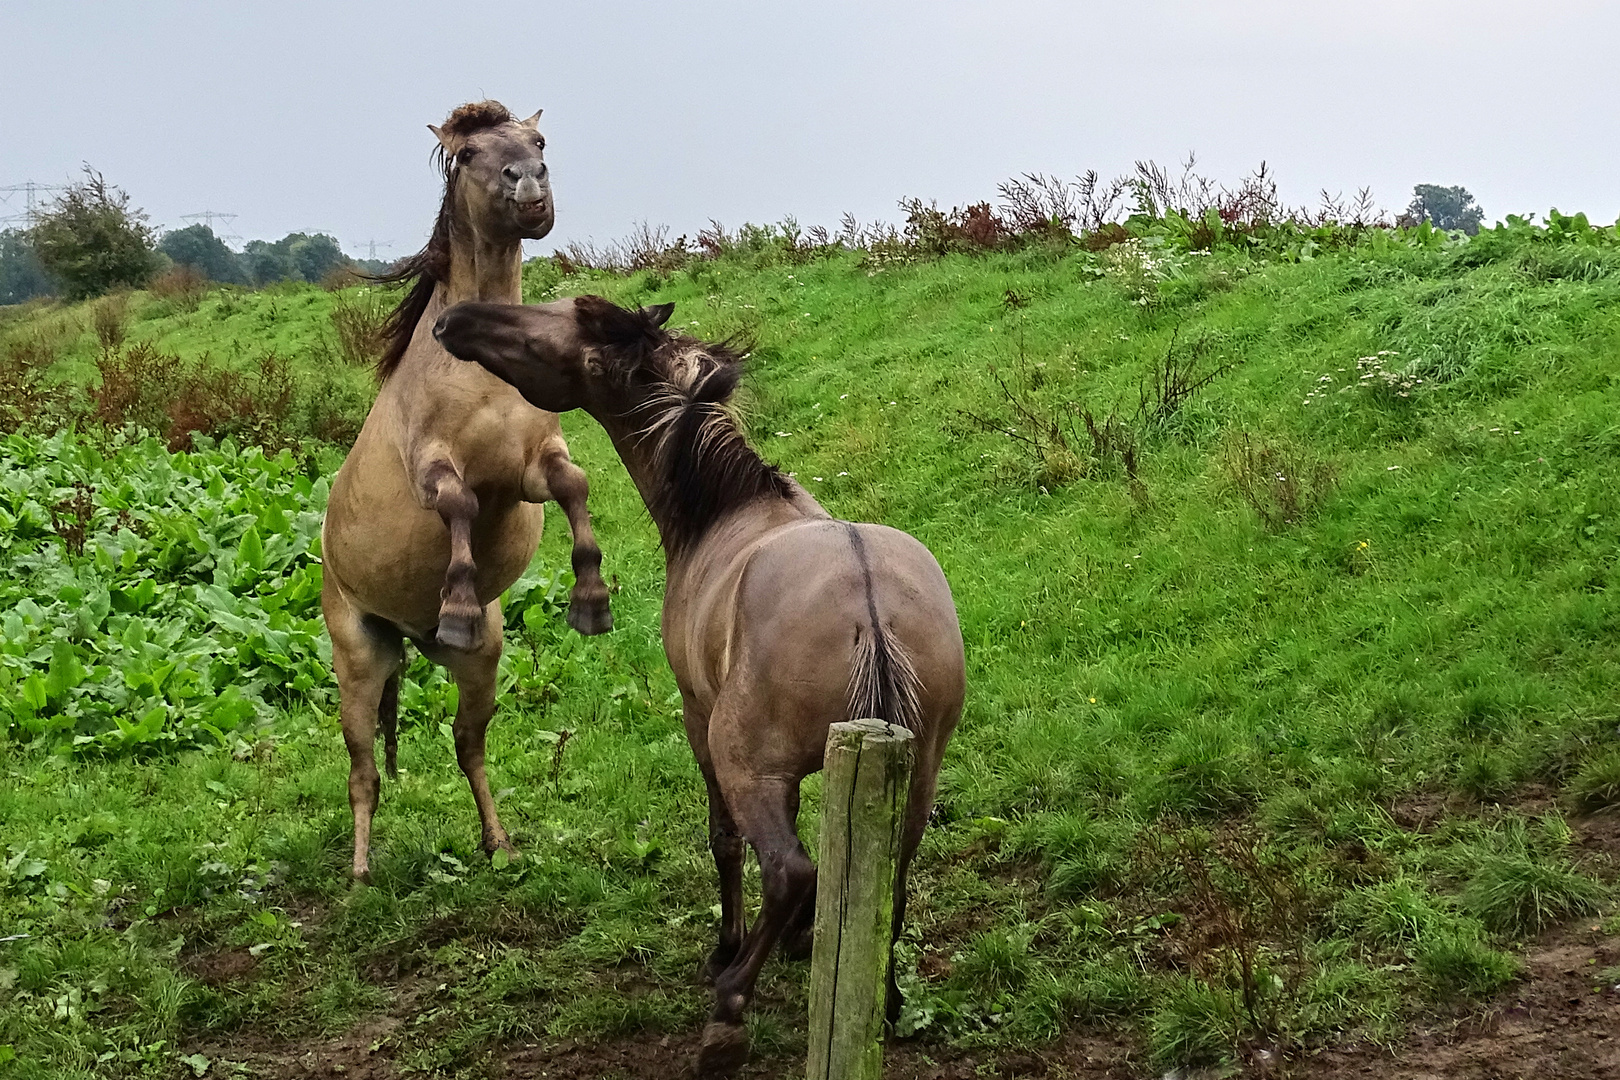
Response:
column 778, row 620
column 436, row 510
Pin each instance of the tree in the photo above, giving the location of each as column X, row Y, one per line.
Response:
column 91, row 241
column 197, row 246
column 21, row 275
column 296, row 256
column 1446, row 208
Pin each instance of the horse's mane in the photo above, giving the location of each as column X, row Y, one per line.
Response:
column 424, row 270
column 679, row 388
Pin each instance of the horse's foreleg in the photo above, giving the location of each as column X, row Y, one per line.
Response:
column 475, row 691
column 560, row 479
column 461, row 616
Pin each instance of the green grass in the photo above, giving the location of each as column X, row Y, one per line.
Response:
column 1162, row 677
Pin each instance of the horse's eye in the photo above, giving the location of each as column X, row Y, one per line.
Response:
column 465, row 155
column 540, row 143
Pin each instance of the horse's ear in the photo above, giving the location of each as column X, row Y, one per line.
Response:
column 603, row 322
column 659, row 313
column 533, row 121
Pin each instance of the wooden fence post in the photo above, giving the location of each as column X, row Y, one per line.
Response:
column 863, row 806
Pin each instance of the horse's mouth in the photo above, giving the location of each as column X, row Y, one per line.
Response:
column 531, row 211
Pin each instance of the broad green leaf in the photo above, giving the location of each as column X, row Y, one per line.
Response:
column 251, row 553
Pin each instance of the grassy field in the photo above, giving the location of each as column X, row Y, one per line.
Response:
column 1290, row 691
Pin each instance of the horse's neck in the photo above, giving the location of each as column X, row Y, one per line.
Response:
column 730, row 534
column 484, row 270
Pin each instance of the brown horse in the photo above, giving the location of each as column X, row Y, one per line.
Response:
column 778, row 620
column 436, row 510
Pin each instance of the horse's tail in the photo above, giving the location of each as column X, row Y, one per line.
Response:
column 388, row 720
column 883, row 682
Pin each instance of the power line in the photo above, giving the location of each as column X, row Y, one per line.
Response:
column 208, row 217
column 31, row 192
column 373, row 245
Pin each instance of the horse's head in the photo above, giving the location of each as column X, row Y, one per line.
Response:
column 582, row 353
column 497, row 166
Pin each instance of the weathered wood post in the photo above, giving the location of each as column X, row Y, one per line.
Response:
column 868, row 775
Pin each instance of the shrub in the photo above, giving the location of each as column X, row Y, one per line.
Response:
column 182, row 285
column 92, row 241
column 110, row 318
column 29, row 399
column 358, row 317
column 159, row 392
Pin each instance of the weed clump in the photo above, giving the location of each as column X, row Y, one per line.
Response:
column 1596, row 784
column 1521, row 892
column 1459, row 964
column 1281, row 483
column 358, row 318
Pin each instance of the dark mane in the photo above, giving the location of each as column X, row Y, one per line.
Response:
column 424, row 270
column 679, row 388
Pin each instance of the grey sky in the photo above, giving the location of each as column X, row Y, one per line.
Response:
column 299, row 115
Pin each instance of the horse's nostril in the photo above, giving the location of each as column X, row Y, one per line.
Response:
column 513, row 173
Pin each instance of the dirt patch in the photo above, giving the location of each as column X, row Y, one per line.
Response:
column 670, row 1057
column 217, row 967
column 1560, row 1023
column 364, row 1052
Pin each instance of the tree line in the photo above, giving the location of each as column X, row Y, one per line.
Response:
column 90, row 241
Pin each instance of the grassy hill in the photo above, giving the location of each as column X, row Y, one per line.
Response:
column 1285, row 577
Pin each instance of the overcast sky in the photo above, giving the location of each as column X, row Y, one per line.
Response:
column 312, row 116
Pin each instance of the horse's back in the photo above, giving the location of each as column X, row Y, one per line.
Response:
column 803, row 605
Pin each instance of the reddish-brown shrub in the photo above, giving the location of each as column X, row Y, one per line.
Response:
column 183, row 285
column 159, row 392
column 28, row 398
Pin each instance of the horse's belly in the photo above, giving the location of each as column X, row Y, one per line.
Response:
column 390, row 554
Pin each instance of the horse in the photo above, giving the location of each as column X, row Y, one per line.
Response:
column 778, row 619
column 436, row 509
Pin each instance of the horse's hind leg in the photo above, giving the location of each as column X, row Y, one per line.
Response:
column 561, row 480
column 726, row 844
column 475, row 685
column 786, row 877
column 919, row 804
column 799, row 938
column 366, row 655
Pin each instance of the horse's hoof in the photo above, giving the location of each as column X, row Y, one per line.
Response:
column 459, row 631
column 503, row 844
column 724, row 1050
column 590, row 617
